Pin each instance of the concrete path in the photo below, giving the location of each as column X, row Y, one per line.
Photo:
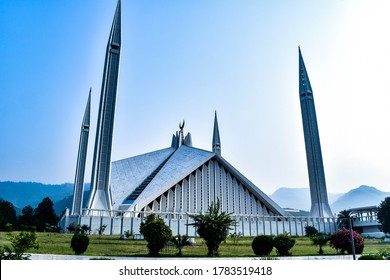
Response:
column 82, row 257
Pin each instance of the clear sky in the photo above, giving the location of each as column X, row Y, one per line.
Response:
column 186, row 59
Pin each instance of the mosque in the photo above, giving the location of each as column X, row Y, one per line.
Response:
column 181, row 179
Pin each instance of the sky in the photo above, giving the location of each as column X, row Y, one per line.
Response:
column 184, row 60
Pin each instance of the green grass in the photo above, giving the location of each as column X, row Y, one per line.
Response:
column 111, row 245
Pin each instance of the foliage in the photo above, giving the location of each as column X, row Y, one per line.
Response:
column 72, row 228
column 79, row 243
column 107, row 245
column 371, row 257
column 180, row 242
column 385, row 253
column 283, row 244
column 310, row 231
column 20, row 245
column 128, row 233
column 156, row 233
column 86, row 229
column 7, row 214
column 235, row 236
column 343, row 218
column 320, row 239
column 213, row 227
column 341, row 240
column 27, row 218
column 262, row 245
column 45, row 214
column 101, row 229
column 8, row 227
column 383, row 213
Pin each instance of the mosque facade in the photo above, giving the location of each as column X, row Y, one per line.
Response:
column 173, row 182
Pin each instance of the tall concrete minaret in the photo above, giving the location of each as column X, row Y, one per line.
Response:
column 100, row 197
column 81, row 160
column 319, row 196
column 216, row 139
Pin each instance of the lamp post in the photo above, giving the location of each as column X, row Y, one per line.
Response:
column 351, row 236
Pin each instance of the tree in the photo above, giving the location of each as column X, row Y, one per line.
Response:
column 7, row 214
column 45, row 214
column 180, row 242
column 20, row 244
column 213, row 227
column 345, row 217
column 320, row 239
column 27, row 218
column 383, row 213
column 156, row 233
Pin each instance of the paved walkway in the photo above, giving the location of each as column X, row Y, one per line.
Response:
column 82, row 257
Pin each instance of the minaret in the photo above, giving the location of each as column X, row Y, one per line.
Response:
column 216, row 139
column 100, row 197
column 81, row 160
column 319, row 197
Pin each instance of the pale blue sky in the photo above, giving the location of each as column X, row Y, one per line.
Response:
column 185, row 59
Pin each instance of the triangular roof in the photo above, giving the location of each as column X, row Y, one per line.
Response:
column 129, row 173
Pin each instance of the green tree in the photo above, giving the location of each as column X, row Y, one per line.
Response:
column 345, row 218
column 213, row 227
column 180, row 242
column 45, row 214
column 156, row 233
column 27, row 218
column 320, row 240
column 383, row 213
column 7, row 214
column 20, row 245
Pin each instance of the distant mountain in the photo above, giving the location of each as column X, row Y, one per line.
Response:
column 299, row 198
column 21, row 194
column 359, row 197
column 59, row 206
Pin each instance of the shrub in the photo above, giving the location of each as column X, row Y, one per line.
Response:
column 180, row 242
column 20, row 244
column 385, row 253
column 213, row 227
column 283, row 244
column 371, row 257
column 262, row 245
column 72, row 228
column 156, row 233
column 8, row 227
column 128, row 233
column 341, row 240
column 79, row 243
column 310, row 231
column 101, row 229
column 85, row 229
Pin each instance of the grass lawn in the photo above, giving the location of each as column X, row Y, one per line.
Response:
column 111, row 245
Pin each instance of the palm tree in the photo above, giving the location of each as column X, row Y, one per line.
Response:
column 343, row 218
column 320, row 240
column 180, row 242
